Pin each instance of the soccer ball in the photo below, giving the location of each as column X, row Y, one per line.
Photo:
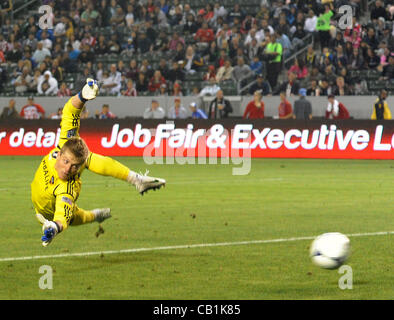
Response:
column 330, row 250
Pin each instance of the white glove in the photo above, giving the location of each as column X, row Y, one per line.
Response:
column 49, row 229
column 90, row 90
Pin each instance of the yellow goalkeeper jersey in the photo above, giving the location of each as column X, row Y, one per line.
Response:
column 53, row 197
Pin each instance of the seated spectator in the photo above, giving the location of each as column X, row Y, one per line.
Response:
column 101, row 46
column 112, row 84
column 291, row 86
column 256, row 65
column 261, row 85
column 219, row 107
column 130, row 90
column 32, row 110
column 105, row 113
column 90, row 16
column 23, row 81
column 225, row 72
column 204, row 34
column 142, row 83
column 47, row 84
column 57, row 115
column 64, row 91
column 133, row 70
column 177, row 111
column 9, row 111
column 324, row 87
column 299, row 68
column 197, row 113
column 192, row 61
column 177, row 90
column 156, row 81
column 335, row 109
column 154, row 111
column 255, row 108
column 313, row 89
column 210, row 74
column 40, row 53
column 210, row 89
column 388, row 70
column 241, row 70
column 163, row 90
column 341, row 88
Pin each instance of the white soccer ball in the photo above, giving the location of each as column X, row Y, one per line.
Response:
column 330, row 250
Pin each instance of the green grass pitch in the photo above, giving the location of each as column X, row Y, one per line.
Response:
column 206, row 204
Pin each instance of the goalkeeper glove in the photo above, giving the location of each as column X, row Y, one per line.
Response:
column 89, row 91
column 49, row 229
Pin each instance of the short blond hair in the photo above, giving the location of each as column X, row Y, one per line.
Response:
column 77, row 147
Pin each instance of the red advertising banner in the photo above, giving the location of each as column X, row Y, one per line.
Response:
column 350, row 139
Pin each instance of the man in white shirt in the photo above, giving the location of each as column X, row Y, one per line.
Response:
column 112, row 84
column 47, row 84
column 310, row 22
column 40, row 53
column 154, row 111
column 211, row 89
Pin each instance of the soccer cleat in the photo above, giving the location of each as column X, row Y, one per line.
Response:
column 101, row 214
column 143, row 183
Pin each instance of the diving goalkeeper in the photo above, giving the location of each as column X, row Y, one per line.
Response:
column 57, row 182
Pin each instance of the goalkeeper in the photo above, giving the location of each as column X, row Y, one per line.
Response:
column 57, row 181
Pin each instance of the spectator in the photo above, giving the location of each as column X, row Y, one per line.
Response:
column 210, row 74
column 341, row 88
column 113, row 83
column 378, row 11
column 388, row 69
column 335, row 109
column 177, row 90
column 156, row 81
column 89, row 16
column 241, row 70
column 324, row 87
column 204, row 34
column 313, row 89
column 225, row 72
column 192, row 61
column 285, row 111
column 302, row 107
column 381, row 109
column 255, row 108
column 219, row 107
column 40, row 53
column 23, row 81
column 64, row 91
column 197, row 113
column 32, row 110
column 105, row 113
column 163, row 90
column 256, row 65
column 261, row 85
column 310, row 22
column 210, row 89
column 130, row 90
column 57, row 115
column 299, row 68
column 47, row 84
column 142, row 83
column 176, row 73
column 176, row 38
column 291, row 86
column 10, row 111
column 177, row 111
column 154, row 111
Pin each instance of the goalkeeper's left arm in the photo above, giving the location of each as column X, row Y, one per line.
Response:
column 88, row 92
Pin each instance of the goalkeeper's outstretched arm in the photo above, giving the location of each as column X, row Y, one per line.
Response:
column 88, row 92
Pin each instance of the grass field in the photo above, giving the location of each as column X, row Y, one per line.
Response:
column 206, row 204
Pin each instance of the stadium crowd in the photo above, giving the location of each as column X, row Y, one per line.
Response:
column 148, row 47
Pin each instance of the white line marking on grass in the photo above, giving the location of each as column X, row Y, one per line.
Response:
column 186, row 246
